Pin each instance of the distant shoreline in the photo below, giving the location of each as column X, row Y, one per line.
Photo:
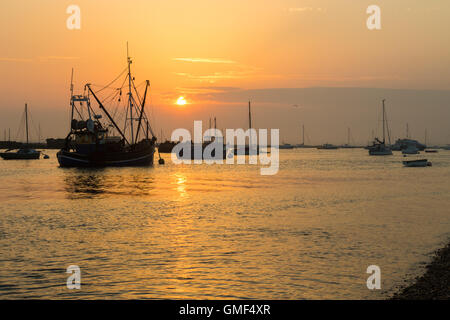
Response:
column 434, row 284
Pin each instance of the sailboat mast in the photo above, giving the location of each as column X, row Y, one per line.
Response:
column 303, row 134
column 71, row 95
column 26, row 119
column 249, row 116
column 130, row 104
column 383, row 122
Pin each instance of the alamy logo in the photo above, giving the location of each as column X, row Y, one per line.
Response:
column 73, row 22
column 210, row 148
column 374, row 281
column 74, row 280
column 374, row 20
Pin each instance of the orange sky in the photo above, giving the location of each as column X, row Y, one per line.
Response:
column 195, row 47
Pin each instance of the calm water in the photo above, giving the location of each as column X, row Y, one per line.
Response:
column 218, row 232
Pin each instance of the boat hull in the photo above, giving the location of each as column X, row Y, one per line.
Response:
column 20, row 156
column 198, row 152
column 122, row 159
column 416, row 163
column 380, row 153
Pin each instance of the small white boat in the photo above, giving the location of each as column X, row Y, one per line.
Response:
column 417, row 163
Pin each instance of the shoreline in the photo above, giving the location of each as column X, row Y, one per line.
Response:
column 434, row 284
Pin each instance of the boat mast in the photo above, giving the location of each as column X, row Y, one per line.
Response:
column 249, row 125
column 142, row 110
column 26, row 119
column 383, row 122
column 348, row 136
column 130, row 103
column 303, row 134
column 71, row 95
column 249, row 116
column 107, row 113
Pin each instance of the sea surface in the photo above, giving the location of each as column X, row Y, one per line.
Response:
column 221, row 231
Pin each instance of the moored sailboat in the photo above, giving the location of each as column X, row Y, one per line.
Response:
column 379, row 147
column 250, row 148
column 24, row 153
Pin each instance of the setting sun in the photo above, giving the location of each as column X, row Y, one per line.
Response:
column 181, row 101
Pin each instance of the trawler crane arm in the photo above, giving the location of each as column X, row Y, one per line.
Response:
column 107, row 114
column 142, row 110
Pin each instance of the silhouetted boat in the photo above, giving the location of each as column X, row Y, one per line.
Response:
column 286, row 146
column 327, row 146
column 166, row 146
column 379, row 148
column 23, row 153
column 250, row 149
column 417, row 163
column 202, row 151
column 402, row 144
column 89, row 144
column 410, row 149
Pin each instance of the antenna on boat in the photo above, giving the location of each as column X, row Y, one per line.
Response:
column 71, row 96
column 71, row 84
column 130, row 103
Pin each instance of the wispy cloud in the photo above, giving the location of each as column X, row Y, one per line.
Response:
column 206, row 60
column 6, row 59
column 305, row 9
column 46, row 58
column 204, row 90
column 58, row 58
column 211, row 78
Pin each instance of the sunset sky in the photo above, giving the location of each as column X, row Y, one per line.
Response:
column 220, row 54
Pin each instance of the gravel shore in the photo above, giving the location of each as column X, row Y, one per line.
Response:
column 434, row 284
